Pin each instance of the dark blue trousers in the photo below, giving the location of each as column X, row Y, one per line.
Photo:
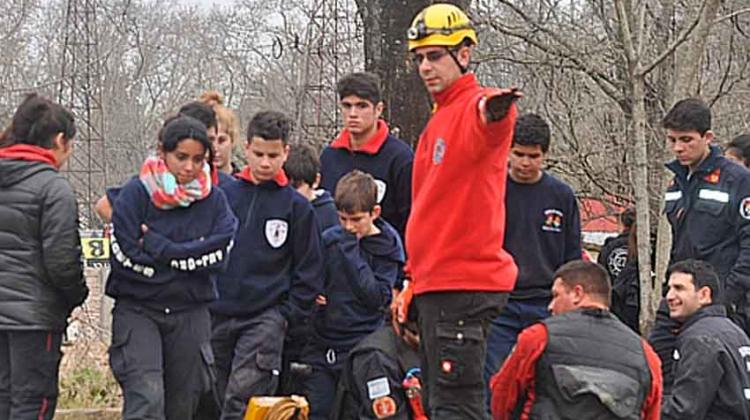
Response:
column 504, row 330
column 29, row 365
column 320, row 387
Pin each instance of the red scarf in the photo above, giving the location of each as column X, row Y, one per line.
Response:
column 247, row 175
column 29, row 153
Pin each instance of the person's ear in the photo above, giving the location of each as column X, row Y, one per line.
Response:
column 705, row 296
column 578, row 294
column 709, row 136
column 316, row 183
column 379, row 107
column 60, row 143
column 464, row 56
column 376, row 211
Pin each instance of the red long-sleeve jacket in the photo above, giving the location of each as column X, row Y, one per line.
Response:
column 454, row 237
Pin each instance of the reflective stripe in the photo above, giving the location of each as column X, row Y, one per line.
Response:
column 672, row 195
column 714, row 195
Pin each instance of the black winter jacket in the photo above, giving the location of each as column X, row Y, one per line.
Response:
column 711, row 379
column 41, row 276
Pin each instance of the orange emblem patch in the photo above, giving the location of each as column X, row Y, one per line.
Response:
column 384, row 407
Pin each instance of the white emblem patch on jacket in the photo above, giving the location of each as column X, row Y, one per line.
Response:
column 381, row 189
column 276, row 232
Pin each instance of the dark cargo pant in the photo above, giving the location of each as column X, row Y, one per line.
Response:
column 248, row 358
column 29, row 365
column 162, row 360
column 320, row 386
column 453, row 329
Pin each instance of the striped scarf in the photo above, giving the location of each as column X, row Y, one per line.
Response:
column 164, row 190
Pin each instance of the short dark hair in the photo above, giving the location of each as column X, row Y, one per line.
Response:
column 592, row 277
column 364, row 84
column 201, row 112
column 269, row 125
column 532, row 130
column 742, row 144
column 37, row 121
column 702, row 273
column 302, row 166
column 356, row 192
column 691, row 114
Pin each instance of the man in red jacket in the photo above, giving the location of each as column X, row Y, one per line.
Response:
column 460, row 273
column 580, row 363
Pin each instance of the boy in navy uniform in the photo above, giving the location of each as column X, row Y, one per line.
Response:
column 363, row 257
column 303, row 170
column 302, row 167
column 274, row 272
column 365, row 144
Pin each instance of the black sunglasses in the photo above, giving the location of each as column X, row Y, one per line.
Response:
column 431, row 56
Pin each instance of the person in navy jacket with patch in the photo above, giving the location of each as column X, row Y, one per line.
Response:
column 172, row 232
column 366, row 144
column 275, row 270
column 543, row 232
column 363, row 258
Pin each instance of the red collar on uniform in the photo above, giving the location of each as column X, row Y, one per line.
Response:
column 247, row 175
column 465, row 82
column 30, row 153
column 371, row 147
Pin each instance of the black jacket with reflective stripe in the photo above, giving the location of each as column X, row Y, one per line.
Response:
column 593, row 367
column 41, row 277
column 709, row 211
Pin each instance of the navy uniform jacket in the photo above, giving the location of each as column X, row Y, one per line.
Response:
column 712, row 381
column 710, row 216
column 276, row 259
column 175, row 263
column 359, row 276
column 386, row 158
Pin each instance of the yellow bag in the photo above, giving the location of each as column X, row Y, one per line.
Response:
column 277, row 408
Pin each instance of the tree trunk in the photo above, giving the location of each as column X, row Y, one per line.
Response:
column 649, row 301
column 407, row 104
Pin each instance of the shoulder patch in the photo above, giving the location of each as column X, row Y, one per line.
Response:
column 745, row 208
column 377, row 388
column 384, row 407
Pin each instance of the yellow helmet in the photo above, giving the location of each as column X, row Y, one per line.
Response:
column 441, row 25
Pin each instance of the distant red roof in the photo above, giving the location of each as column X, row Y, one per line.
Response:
column 600, row 216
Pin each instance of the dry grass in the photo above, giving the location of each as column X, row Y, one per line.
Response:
column 85, row 378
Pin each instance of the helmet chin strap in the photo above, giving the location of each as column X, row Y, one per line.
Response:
column 463, row 69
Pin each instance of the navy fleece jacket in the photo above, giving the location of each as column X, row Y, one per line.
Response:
column 175, row 263
column 325, row 210
column 277, row 259
column 359, row 276
column 386, row 158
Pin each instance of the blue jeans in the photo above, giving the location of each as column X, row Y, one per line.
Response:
column 504, row 330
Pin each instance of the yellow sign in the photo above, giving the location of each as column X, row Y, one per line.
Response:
column 94, row 249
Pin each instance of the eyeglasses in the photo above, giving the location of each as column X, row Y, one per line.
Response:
column 431, row 56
